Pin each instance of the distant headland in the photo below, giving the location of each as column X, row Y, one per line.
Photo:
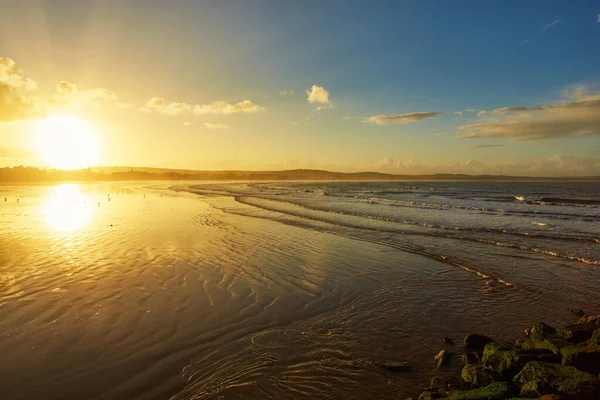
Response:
column 39, row 175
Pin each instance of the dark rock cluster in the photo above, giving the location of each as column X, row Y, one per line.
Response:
column 548, row 364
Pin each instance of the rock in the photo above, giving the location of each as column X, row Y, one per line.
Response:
column 447, row 340
column 494, row 347
column 479, row 376
column 495, row 391
column 395, row 366
column 577, row 311
column 584, row 358
column 510, row 362
column 595, row 339
column 539, row 378
column 552, row 344
column 577, row 333
column 442, row 357
column 470, row 358
column 445, row 383
column 541, row 331
column 590, row 319
column 476, row 341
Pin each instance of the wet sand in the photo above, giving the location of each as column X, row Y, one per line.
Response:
column 156, row 294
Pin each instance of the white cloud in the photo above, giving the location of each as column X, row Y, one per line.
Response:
column 318, row 94
column 15, row 102
column 187, row 123
column 155, row 102
column 287, row 93
column 402, row 118
column 209, row 125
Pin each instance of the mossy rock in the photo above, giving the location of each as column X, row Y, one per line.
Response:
column 470, row 358
column 494, row 347
column 541, row 331
column 577, row 333
column 510, row 362
column 584, row 358
column 595, row 339
column 495, row 391
column 476, row 341
column 539, row 378
column 445, row 383
column 552, row 344
column 479, row 376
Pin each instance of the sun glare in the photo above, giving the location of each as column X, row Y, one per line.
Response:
column 67, row 142
column 67, row 208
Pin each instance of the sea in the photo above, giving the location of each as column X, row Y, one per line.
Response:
column 278, row 290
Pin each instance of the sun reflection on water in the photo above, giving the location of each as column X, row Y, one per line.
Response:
column 67, row 208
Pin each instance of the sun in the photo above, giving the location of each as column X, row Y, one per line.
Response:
column 67, row 142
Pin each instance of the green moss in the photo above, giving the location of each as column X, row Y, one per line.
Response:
column 494, row 347
column 584, row 358
column 539, row 378
column 510, row 362
column 595, row 339
column 552, row 344
column 495, row 391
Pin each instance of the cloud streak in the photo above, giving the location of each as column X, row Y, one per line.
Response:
column 484, row 146
column 557, row 165
column 551, row 24
column 159, row 105
column 402, row 118
column 576, row 118
column 68, row 93
column 209, row 125
column 540, row 32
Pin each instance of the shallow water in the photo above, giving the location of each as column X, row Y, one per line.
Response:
column 277, row 290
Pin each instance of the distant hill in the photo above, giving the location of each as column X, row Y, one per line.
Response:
column 31, row 174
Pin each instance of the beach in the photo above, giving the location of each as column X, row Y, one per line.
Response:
column 202, row 290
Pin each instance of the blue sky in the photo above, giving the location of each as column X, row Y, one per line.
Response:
column 424, row 64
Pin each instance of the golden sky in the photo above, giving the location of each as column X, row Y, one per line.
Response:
column 228, row 85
